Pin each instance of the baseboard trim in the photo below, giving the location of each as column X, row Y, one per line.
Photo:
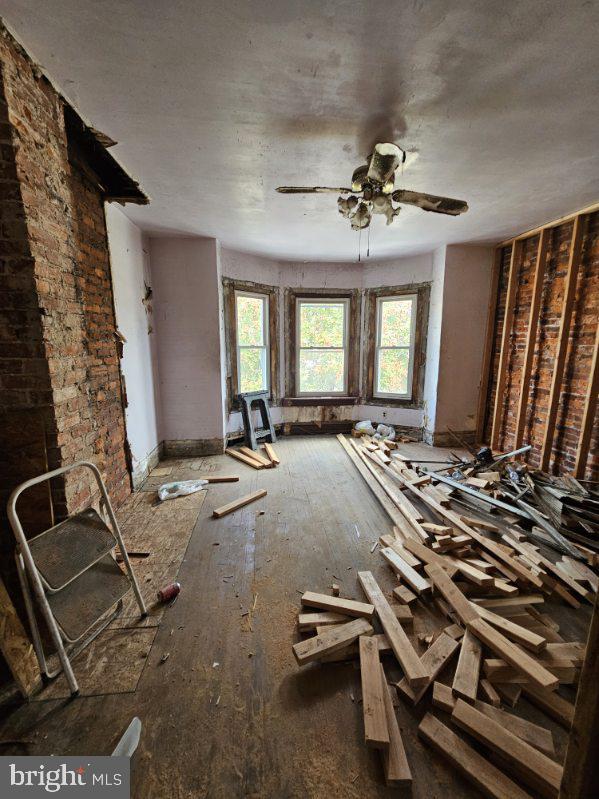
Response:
column 193, row 447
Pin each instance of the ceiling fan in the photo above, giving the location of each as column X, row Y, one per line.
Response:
column 375, row 182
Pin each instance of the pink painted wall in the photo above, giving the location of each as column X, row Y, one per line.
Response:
column 187, row 312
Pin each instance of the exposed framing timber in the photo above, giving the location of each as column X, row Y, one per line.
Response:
column 562, row 340
column 483, row 390
column 531, row 334
column 588, row 414
column 506, row 333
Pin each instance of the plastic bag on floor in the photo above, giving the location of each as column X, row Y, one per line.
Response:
column 365, row 427
column 180, row 488
column 384, row 431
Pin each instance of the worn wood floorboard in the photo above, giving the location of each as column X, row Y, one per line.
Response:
column 229, row 713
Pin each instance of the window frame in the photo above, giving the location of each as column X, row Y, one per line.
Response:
column 320, row 300
column 230, row 285
column 411, row 347
column 237, row 292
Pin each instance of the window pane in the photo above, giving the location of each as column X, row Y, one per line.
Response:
column 250, row 321
column 321, row 371
column 252, row 369
column 396, row 323
column 392, row 375
column 322, row 324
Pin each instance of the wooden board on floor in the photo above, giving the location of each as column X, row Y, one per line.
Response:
column 244, row 458
column 336, row 604
column 231, row 507
column 539, row 771
column 376, row 733
column 272, row 455
column 414, row 671
column 465, row 681
column 395, row 762
column 487, row 777
column 434, row 660
column 337, row 637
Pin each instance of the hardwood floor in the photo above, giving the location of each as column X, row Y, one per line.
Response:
column 229, row 713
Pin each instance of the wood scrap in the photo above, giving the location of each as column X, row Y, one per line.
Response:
column 336, row 637
column 231, row 507
column 395, row 762
column 348, row 607
column 434, row 660
column 376, row 732
column 465, row 681
column 243, row 458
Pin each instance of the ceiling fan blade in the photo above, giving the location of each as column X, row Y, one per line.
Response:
column 430, row 202
column 312, row 190
column 386, row 157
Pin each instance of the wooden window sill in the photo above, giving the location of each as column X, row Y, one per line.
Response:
column 316, row 401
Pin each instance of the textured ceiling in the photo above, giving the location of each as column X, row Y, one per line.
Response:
column 216, row 102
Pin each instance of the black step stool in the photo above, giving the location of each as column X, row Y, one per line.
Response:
column 252, row 436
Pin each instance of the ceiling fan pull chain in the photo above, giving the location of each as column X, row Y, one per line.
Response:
column 359, row 244
column 368, row 243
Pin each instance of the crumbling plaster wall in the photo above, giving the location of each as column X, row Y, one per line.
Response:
column 130, row 264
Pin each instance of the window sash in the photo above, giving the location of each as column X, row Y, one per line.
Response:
column 413, row 298
column 344, row 301
column 263, row 348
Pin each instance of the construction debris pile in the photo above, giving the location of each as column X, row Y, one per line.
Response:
column 460, row 545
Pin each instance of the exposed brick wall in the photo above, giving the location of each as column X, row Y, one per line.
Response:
column 580, row 349
column 56, row 310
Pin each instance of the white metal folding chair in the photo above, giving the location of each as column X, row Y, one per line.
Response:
column 70, row 571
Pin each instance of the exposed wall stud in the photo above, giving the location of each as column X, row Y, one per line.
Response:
column 506, row 333
column 562, row 341
column 483, row 390
column 531, row 335
column 588, row 414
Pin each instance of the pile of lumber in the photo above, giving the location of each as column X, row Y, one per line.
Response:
column 254, row 458
column 486, row 583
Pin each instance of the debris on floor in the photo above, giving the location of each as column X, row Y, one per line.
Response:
column 180, row 488
column 230, row 507
column 479, row 550
column 254, row 458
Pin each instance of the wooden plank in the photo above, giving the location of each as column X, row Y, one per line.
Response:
column 553, row 704
column 219, row 478
column 539, row 771
column 388, row 506
column 490, row 694
column 251, row 453
column 434, row 660
column 337, row 637
column 230, row 507
column 522, row 636
column 504, row 351
column 465, row 681
column 416, row 582
column 539, row 737
column 404, row 651
column 404, row 595
column 559, row 363
column 309, row 621
column 470, row 572
column 353, row 650
column 452, row 594
column 511, row 602
column 483, row 391
column 395, row 762
column 480, row 523
column 244, row 458
column 376, row 733
column 515, row 656
column 401, row 550
column 473, row 766
column 531, row 336
column 426, row 555
column 272, row 455
column 588, row 414
column 349, row 607
column 17, row 648
column 497, row 670
column 581, row 772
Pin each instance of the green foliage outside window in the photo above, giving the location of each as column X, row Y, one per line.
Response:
column 251, row 343
column 321, row 325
